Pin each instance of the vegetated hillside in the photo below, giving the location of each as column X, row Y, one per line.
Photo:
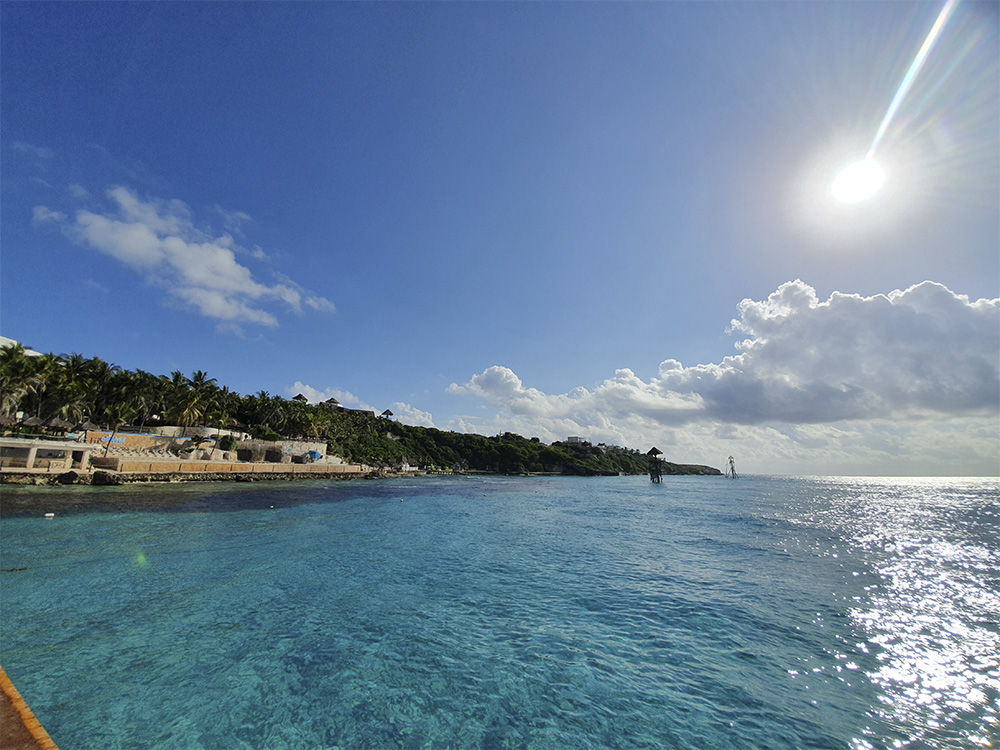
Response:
column 391, row 443
column 78, row 389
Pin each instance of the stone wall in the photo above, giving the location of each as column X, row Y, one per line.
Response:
column 141, row 466
column 284, row 451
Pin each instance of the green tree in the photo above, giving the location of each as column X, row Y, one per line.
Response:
column 14, row 373
column 117, row 415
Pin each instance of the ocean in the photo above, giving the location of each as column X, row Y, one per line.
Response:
column 496, row 612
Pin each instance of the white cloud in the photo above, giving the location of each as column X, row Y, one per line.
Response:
column 218, row 306
column 320, row 304
column 407, row 414
column 316, row 396
column 43, row 215
column 95, row 286
column 402, row 412
column 159, row 240
column 850, row 379
column 233, row 221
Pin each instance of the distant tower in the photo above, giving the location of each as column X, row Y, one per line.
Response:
column 655, row 465
column 731, row 471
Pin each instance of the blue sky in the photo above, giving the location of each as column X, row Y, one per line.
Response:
column 601, row 219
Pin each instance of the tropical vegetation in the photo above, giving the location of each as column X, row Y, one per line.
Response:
column 79, row 389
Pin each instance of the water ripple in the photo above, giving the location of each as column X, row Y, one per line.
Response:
column 494, row 613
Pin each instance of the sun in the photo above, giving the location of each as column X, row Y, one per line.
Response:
column 858, row 182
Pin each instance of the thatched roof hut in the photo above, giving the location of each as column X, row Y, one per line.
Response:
column 57, row 425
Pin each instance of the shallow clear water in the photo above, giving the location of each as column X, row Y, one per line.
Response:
column 508, row 612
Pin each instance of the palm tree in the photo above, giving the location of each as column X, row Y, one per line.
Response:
column 44, row 369
column 221, row 415
column 199, row 380
column 14, row 373
column 72, row 401
column 144, row 393
column 188, row 408
column 117, row 415
column 191, row 398
column 261, row 409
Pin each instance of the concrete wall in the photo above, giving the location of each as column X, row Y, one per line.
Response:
column 140, row 466
column 258, row 450
column 138, row 442
column 255, row 451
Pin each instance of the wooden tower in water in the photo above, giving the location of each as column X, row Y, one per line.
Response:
column 655, row 465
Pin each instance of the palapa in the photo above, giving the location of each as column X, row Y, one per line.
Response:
column 57, row 424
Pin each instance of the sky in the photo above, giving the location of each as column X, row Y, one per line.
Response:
column 607, row 220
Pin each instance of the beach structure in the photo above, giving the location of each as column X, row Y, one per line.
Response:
column 655, row 465
column 99, row 456
column 48, row 455
column 28, row 352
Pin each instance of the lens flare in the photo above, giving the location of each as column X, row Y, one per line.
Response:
column 858, row 182
column 911, row 73
column 863, row 179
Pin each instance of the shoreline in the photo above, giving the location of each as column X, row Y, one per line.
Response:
column 253, row 473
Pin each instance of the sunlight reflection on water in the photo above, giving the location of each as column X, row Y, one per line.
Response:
column 933, row 620
column 772, row 612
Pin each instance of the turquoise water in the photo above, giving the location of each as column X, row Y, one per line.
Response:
column 508, row 612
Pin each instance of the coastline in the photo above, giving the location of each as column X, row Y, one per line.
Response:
column 192, row 472
column 247, row 473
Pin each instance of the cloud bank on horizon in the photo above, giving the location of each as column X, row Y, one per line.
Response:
column 159, row 240
column 901, row 376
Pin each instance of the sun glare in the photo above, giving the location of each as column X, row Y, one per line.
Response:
column 858, row 182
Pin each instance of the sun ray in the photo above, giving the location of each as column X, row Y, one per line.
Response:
column 911, row 74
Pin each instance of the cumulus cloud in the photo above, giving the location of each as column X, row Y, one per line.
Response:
column 402, row 412
column 923, row 355
column 159, row 240
column 409, row 415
